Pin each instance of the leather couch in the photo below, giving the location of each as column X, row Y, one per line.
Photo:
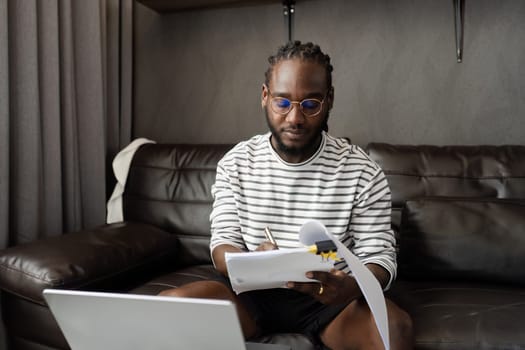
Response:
column 458, row 213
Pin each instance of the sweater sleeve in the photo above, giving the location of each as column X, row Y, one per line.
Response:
column 370, row 224
column 225, row 226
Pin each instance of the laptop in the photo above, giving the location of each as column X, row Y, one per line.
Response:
column 113, row 321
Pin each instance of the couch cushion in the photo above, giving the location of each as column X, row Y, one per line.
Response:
column 463, row 239
column 169, row 186
column 415, row 171
column 466, row 316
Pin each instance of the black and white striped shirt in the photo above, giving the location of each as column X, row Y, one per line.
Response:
column 339, row 186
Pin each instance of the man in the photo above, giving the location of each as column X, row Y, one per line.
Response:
column 294, row 173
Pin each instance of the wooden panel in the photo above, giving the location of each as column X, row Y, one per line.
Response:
column 183, row 5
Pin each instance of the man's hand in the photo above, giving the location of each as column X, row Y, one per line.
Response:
column 219, row 251
column 334, row 287
column 266, row 245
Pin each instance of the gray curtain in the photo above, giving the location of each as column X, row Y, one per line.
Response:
column 65, row 110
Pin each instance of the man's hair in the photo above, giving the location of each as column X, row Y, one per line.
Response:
column 307, row 51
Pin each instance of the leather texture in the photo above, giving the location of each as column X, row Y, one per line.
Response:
column 458, row 217
column 450, row 171
column 108, row 258
column 478, row 240
column 91, row 259
column 463, row 316
column 170, row 187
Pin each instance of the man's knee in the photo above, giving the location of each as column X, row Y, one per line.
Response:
column 201, row 289
column 405, row 324
column 401, row 327
column 172, row 292
column 355, row 328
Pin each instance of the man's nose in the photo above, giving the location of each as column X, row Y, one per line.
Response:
column 296, row 116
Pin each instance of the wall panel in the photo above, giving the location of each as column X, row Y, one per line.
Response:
column 198, row 74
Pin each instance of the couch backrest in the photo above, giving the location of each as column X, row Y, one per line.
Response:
column 169, row 186
column 450, row 171
column 458, row 211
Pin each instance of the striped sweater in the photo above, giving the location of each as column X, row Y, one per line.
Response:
column 339, row 186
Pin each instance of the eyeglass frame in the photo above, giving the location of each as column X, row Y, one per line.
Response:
column 297, row 102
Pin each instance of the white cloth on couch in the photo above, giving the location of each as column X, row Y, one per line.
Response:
column 121, row 164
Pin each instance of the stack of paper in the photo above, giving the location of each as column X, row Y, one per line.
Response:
column 272, row 268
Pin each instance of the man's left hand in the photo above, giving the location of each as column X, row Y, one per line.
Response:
column 334, row 287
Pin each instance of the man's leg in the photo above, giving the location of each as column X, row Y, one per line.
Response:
column 216, row 290
column 355, row 328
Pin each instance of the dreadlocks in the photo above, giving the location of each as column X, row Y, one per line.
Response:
column 307, row 51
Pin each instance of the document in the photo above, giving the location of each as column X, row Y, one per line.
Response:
column 273, row 268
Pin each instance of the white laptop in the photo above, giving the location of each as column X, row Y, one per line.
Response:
column 95, row 320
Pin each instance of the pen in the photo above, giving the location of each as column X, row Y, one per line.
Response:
column 269, row 236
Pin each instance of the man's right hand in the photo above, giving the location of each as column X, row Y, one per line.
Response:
column 219, row 252
column 266, row 245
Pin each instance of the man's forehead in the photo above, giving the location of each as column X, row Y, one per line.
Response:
column 299, row 73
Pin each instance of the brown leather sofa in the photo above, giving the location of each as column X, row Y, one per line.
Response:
column 458, row 212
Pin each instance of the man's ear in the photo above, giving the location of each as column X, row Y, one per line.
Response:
column 264, row 96
column 330, row 98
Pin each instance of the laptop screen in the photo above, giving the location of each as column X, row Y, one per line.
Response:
column 95, row 320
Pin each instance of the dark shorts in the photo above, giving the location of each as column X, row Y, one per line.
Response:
column 283, row 310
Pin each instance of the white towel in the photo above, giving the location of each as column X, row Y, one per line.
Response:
column 121, row 164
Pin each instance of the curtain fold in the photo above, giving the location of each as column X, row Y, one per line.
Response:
column 4, row 128
column 61, row 112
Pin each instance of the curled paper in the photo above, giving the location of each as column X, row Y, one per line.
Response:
column 313, row 231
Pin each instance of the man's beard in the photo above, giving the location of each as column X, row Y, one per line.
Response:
column 293, row 151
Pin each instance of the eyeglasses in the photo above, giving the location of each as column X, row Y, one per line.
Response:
column 310, row 107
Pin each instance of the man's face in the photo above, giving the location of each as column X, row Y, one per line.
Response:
column 296, row 136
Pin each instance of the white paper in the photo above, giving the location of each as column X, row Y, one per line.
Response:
column 272, row 268
column 313, row 231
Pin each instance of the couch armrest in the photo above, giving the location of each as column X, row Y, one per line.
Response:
column 106, row 257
